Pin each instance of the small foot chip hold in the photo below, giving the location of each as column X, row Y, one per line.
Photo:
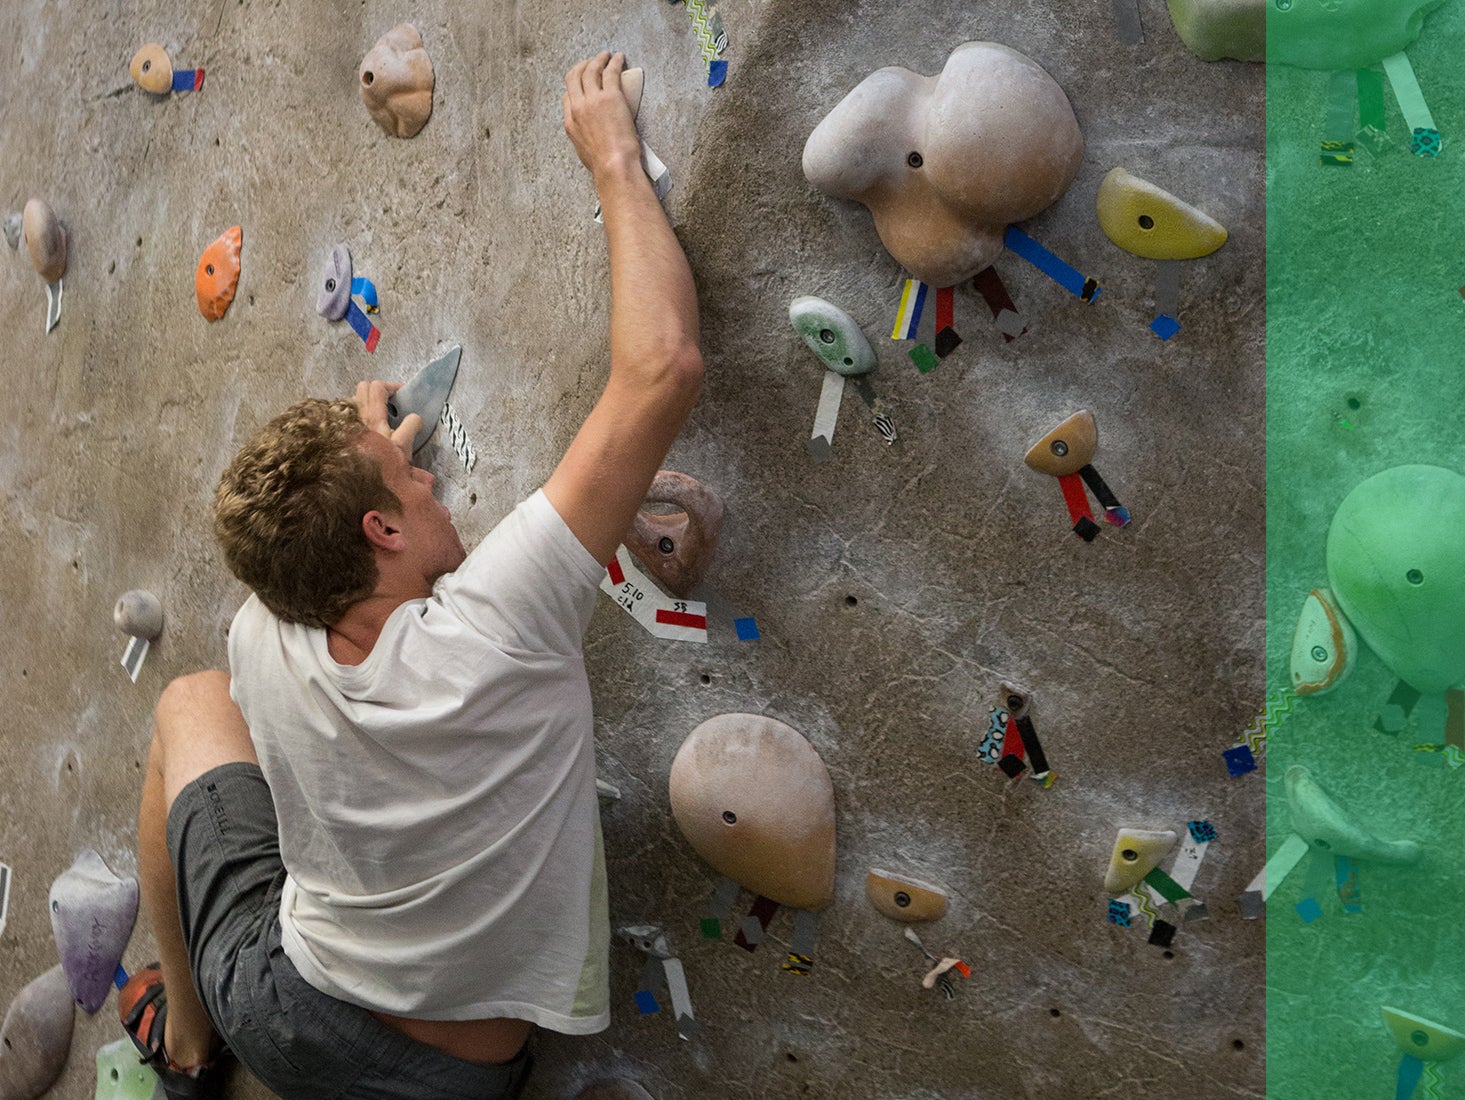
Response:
column 1066, row 453
column 677, row 547
column 120, row 1076
column 139, row 614
column 904, row 899
column 832, row 335
column 35, row 1037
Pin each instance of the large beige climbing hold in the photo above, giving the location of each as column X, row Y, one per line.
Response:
column 677, row 547
column 151, row 69
column 753, row 798
column 904, row 899
column 1425, row 1039
column 1325, row 825
column 1068, row 448
column 1136, row 853
column 1216, row 29
column 45, row 239
column 396, row 81
column 1150, row 222
column 1324, row 646
column 1342, row 34
column 36, row 1037
column 947, row 163
column 633, row 84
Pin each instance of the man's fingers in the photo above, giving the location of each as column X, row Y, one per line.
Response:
column 406, row 433
column 574, row 76
column 595, row 71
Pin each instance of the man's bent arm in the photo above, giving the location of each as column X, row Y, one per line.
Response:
column 655, row 365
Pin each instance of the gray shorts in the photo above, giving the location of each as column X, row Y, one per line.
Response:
column 225, row 844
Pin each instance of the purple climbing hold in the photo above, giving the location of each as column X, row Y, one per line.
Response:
column 36, row 1037
column 92, row 914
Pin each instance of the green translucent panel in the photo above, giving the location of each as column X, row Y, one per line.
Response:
column 1365, row 374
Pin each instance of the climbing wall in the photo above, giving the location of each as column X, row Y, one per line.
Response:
column 894, row 586
column 1363, row 323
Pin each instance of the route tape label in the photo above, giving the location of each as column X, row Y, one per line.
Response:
column 908, row 316
column 674, row 620
column 458, row 438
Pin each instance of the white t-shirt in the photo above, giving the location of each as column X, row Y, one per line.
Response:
column 438, row 818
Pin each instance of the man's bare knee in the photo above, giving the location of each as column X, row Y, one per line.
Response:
column 196, row 727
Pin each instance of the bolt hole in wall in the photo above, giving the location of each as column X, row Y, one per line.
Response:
column 706, row 678
column 1055, row 1013
column 851, row 601
column 1238, row 1044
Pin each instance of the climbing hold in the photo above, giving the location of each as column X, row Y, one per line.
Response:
column 945, row 164
column 1068, row 448
column 1150, row 222
column 1342, row 35
column 425, row 394
column 120, row 1076
column 1322, row 823
column 1136, row 853
column 832, row 335
column 45, row 240
column 753, row 798
column 153, row 72
column 1425, row 1039
column 633, row 84
column 396, row 82
column 904, row 899
column 151, row 69
column 14, row 224
column 36, row 1037
column 217, row 276
column 1396, row 564
column 92, row 913
column 335, row 285
column 677, row 548
column 1324, row 646
column 139, row 613
column 1214, row 29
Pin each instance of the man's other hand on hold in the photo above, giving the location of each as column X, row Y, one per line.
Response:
column 598, row 118
column 371, row 403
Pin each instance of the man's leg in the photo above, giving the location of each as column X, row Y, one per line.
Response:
column 196, row 727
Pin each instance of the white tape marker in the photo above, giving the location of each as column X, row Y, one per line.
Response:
column 134, row 655
column 675, row 620
column 827, row 415
column 1279, row 866
column 53, row 304
column 4, row 895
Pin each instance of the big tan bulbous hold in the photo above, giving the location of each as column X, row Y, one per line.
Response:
column 396, row 82
column 45, row 239
column 751, row 795
column 677, row 548
column 947, row 163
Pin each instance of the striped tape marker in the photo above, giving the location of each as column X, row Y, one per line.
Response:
column 912, row 303
column 711, row 40
column 458, row 438
column 674, row 620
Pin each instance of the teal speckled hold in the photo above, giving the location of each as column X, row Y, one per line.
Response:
column 1396, row 564
column 832, row 335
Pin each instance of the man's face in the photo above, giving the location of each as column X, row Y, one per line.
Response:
column 432, row 540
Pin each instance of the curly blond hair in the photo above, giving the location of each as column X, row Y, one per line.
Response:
column 288, row 510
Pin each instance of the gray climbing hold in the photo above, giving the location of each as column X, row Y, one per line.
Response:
column 92, row 914
column 425, row 395
column 12, row 230
column 1326, row 826
column 36, row 1037
column 139, row 614
column 335, row 285
column 832, row 335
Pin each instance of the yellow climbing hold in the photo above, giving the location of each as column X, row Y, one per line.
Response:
column 1137, row 852
column 1150, row 222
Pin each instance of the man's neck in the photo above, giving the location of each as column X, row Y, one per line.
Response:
column 351, row 639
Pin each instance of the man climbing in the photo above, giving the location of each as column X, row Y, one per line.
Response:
column 372, row 859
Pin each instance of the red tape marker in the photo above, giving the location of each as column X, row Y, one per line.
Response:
column 614, row 569
column 945, row 307
column 1075, row 497
column 678, row 618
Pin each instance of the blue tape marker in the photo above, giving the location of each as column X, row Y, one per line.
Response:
column 1309, row 910
column 1410, row 1071
column 646, row 1002
column 187, row 80
column 119, row 977
column 1239, row 760
column 747, row 629
column 364, row 287
column 1070, row 279
column 363, row 326
column 716, row 73
column 1164, row 326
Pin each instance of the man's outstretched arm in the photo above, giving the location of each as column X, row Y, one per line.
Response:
column 655, row 364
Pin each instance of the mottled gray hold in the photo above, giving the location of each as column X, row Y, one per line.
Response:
column 36, row 1037
column 335, row 285
column 139, row 614
column 425, row 395
column 12, row 230
column 92, row 914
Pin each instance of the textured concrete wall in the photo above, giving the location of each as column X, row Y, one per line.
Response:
column 893, row 586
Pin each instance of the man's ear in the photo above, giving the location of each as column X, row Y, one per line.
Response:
column 382, row 531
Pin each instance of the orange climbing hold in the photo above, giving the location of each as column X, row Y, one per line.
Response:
column 218, row 274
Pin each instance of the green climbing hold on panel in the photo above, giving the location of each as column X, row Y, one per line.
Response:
column 1396, row 563
column 832, row 335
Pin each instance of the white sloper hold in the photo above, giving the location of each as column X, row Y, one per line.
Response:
column 753, row 798
column 1325, row 826
column 946, row 163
